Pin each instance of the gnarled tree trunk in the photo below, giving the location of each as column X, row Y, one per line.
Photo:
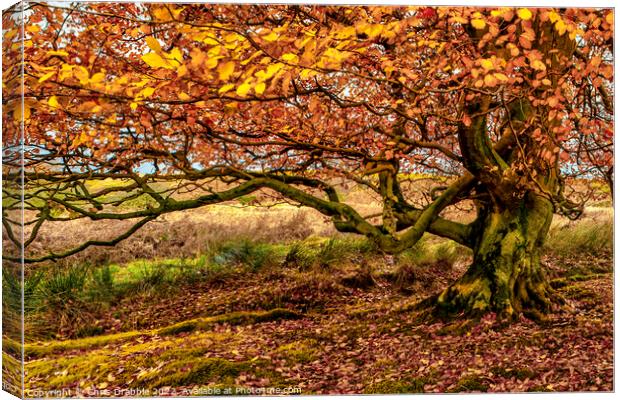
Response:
column 506, row 276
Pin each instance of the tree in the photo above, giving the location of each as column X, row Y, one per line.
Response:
column 503, row 102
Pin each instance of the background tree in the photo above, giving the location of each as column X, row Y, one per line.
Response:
column 167, row 100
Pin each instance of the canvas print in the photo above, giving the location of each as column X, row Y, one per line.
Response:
column 265, row 199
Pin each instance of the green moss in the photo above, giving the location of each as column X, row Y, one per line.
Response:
column 302, row 352
column 37, row 350
column 577, row 292
column 64, row 371
column 458, row 328
column 519, row 373
column 415, row 385
column 539, row 388
column 11, row 346
column 236, row 318
column 471, row 383
column 181, row 327
column 197, row 371
column 43, row 349
column 577, row 277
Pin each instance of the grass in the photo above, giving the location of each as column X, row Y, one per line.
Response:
column 591, row 235
column 320, row 253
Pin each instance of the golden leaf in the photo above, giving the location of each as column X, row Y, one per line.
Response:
column 553, row 16
column 176, row 55
column 211, row 63
column 260, row 88
column 53, row 102
column 46, row 76
column 478, row 23
column 290, row 57
column 153, row 44
column 17, row 112
column 272, row 37
column 226, row 88
column 489, row 80
column 184, row 96
column 501, row 77
column 154, row 60
column 307, row 73
column 226, row 70
column 539, row 65
column 81, row 74
column 243, row 89
column 560, row 26
column 524, row 14
column 486, row 64
column 98, row 77
column 57, row 53
column 148, row 91
column 210, row 41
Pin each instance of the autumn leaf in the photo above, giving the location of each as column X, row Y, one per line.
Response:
column 290, row 57
column 226, row 88
column 271, row 37
column 524, row 13
column 478, row 23
column 609, row 18
column 18, row 115
column 487, row 64
column 226, row 70
column 154, row 60
column 46, row 76
column 53, row 102
column 97, row 78
column 560, row 26
column 259, row 88
column 243, row 89
column 490, row 80
column 539, row 65
column 61, row 53
column 501, row 77
column 153, row 44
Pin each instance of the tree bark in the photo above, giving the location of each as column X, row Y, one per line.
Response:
column 506, row 276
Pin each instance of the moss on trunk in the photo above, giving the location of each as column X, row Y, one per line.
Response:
column 506, row 276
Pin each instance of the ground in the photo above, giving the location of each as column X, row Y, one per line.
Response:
column 311, row 313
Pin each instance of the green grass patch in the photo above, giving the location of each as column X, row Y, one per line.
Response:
column 590, row 236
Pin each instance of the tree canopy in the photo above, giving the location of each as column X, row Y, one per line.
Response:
column 507, row 102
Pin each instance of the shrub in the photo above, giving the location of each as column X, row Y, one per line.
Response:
column 245, row 252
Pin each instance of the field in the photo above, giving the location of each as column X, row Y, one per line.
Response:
column 244, row 299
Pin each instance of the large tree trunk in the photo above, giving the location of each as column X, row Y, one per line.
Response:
column 506, row 276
